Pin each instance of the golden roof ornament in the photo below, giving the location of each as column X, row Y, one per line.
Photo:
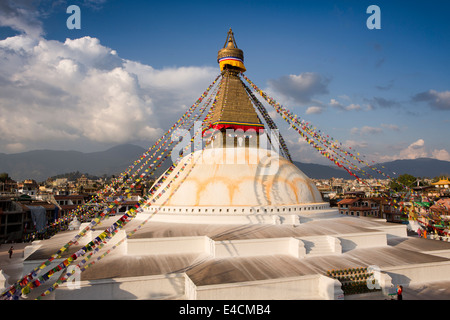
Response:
column 231, row 57
column 232, row 108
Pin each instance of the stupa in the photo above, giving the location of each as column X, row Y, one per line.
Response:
column 241, row 221
column 237, row 177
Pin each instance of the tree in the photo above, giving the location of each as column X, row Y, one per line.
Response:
column 436, row 179
column 4, row 177
column 399, row 184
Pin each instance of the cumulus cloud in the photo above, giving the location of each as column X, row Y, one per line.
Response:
column 414, row 150
column 392, row 127
column 385, row 103
column 302, row 151
column 336, row 104
column 25, row 16
column 351, row 107
column 441, row 154
column 21, row 15
column 418, row 149
column 314, row 110
column 435, row 99
column 172, row 88
column 300, row 88
column 356, row 144
column 366, row 130
column 80, row 90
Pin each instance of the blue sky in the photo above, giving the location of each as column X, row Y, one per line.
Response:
column 383, row 92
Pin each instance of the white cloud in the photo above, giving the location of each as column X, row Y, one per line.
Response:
column 344, row 97
column 417, row 144
column 441, row 154
column 369, row 107
column 392, row 127
column 302, row 151
column 436, row 100
column 416, row 150
column 336, row 104
column 172, row 88
column 365, row 130
column 80, row 90
column 351, row 107
column 314, row 110
column 21, row 15
column 299, row 88
column 356, row 144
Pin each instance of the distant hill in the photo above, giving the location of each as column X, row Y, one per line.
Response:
column 318, row 171
column 42, row 164
column 421, row 167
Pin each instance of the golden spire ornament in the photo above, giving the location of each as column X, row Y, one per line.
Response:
column 230, row 55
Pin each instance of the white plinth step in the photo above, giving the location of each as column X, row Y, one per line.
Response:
column 316, row 246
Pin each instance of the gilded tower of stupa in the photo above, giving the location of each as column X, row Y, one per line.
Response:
column 233, row 109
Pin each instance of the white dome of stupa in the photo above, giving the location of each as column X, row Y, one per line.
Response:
column 238, row 177
column 228, row 182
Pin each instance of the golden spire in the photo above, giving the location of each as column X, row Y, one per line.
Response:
column 231, row 56
column 233, row 108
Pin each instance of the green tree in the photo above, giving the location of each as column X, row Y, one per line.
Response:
column 4, row 177
column 436, row 179
column 399, row 184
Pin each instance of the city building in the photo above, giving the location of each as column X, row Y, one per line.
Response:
column 19, row 218
column 442, row 186
column 365, row 207
column 67, row 203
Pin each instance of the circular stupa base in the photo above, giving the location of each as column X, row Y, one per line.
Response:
column 288, row 214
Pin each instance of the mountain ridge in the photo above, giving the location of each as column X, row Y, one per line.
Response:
column 41, row 164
